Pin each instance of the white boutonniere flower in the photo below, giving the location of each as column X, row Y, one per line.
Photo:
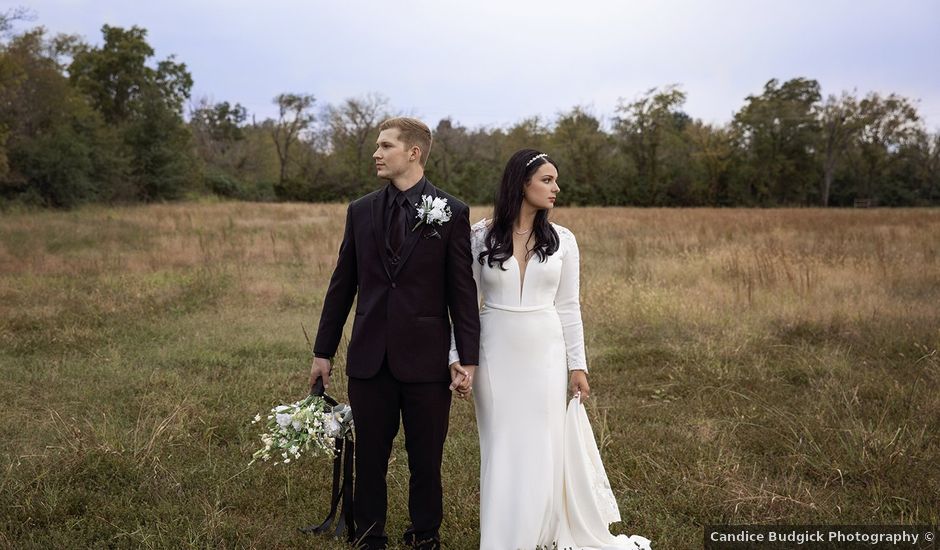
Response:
column 432, row 211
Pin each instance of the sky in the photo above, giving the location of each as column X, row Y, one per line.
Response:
column 493, row 63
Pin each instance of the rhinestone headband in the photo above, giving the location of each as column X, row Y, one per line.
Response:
column 535, row 158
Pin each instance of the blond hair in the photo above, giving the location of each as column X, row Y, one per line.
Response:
column 412, row 132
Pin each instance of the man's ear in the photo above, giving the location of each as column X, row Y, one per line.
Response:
column 415, row 153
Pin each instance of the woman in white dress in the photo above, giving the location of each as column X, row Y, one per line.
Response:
column 541, row 480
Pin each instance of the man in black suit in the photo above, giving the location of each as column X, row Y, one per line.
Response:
column 411, row 282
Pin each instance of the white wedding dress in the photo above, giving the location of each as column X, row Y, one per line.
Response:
column 542, row 483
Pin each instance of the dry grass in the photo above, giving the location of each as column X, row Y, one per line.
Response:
column 748, row 366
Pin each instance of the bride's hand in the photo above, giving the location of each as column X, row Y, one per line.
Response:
column 579, row 383
column 458, row 375
column 461, row 378
column 466, row 386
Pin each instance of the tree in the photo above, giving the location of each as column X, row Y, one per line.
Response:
column 584, row 152
column 912, row 177
column 144, row 103
column 713, row 155
column 887, row 124
column 777, row 132
column 528, row 133
column 294, row 118
column 12, row 15
column 219, row 131
column 57, row 149
column 221, row 124
column 449, row 143
column 840, row 123
column 118, row 80
column 465, row 162
column 644, row 127
column 10, row 77
column 163, row 164
column 234, row 158
column 351, row 130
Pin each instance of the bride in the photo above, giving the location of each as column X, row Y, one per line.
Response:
column 542, row 484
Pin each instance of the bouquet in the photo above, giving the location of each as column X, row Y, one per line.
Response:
column 310, row 425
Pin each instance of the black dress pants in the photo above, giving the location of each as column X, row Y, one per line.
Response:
column 424, row 409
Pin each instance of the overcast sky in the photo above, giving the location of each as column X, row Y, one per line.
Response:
column 486, row 62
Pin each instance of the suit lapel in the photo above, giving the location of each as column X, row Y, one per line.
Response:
column 411, row 241
column 378, row 230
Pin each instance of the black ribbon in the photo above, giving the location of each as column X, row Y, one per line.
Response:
column 345, row 451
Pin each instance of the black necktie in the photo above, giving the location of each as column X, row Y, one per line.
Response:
column 396, row 229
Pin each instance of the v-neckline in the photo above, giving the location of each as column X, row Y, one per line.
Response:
column 522, row 274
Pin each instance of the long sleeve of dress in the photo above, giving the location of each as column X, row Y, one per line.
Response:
column 567, row 300
column 463, row 301
column 477, row 234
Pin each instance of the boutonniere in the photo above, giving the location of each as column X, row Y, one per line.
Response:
column 432, row 211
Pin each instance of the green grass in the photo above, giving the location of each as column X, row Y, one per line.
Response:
column 773, row 366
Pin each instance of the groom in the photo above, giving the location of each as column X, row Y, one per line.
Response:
column 410, row 281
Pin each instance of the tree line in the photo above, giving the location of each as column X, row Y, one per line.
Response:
column 110, row 123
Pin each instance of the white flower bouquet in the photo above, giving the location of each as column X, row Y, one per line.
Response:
column 310, row 425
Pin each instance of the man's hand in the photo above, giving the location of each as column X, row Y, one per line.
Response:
column 461, row 378
column 465, row 387
column 320, row 369
column 579, row 383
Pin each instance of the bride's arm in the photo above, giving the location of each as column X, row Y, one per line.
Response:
column 476, row 243
column 568, row 303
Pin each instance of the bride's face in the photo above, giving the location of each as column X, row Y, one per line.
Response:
column 542, row 187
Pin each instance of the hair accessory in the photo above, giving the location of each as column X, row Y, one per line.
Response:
column 535, row 158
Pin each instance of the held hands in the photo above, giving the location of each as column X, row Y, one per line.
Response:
column 320, row 369
column 461, row 378
column 579, row 383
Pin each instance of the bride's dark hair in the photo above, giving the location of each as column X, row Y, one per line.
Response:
column 498, row 242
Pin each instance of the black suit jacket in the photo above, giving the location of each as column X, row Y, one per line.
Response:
column 402, row 310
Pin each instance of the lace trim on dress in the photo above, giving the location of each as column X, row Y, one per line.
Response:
column 565, row 237
column 603, row 494
column 477, row 234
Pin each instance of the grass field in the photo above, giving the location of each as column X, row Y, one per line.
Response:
column 748, row 366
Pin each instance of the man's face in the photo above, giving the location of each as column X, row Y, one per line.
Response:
column 392, row 157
